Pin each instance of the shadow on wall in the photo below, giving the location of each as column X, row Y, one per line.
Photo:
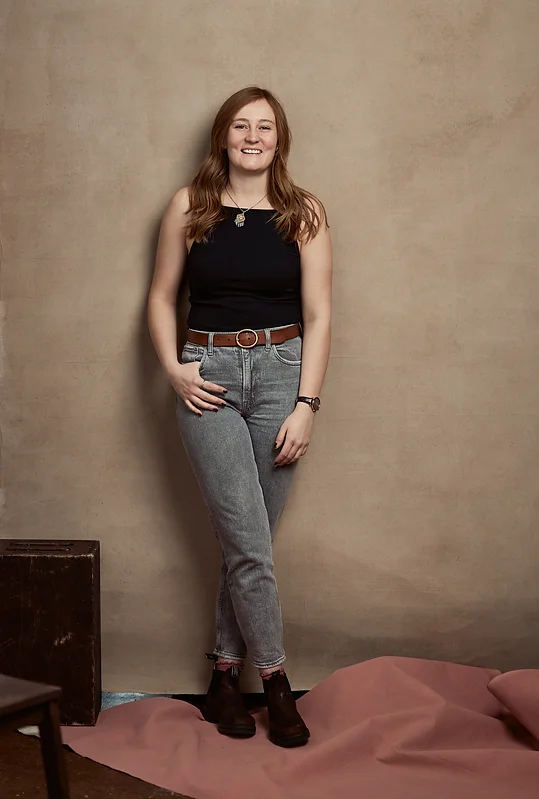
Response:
column 192, row 532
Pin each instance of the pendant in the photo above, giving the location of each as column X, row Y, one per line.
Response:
column 240, row 220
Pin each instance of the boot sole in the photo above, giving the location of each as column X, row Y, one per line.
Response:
column 291, row 741
column 231, row 732
column 236, row 732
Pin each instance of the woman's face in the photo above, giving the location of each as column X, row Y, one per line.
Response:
column 252, row 137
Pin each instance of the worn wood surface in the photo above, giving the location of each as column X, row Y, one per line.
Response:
column 50, row 620
column 23, row 702
column 17, row 696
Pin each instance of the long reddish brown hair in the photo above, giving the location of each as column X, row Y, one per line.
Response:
column 299, row 213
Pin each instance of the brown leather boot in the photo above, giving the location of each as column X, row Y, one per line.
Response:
column 224, row 705
column 286, row 727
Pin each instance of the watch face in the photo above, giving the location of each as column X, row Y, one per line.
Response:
column 316, row 403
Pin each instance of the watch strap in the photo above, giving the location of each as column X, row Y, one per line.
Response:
column 314, row 402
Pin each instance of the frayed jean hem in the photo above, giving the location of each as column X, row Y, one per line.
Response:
column 228, row 656
column 271, row 665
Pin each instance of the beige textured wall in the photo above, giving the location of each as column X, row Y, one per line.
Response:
column 412, row 528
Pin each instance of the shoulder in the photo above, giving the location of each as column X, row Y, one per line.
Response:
column 314, row 223
column 176, row 213
column 313, row 203
column 179, row 204
column 313, row 209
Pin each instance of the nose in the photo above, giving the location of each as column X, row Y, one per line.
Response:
column 252, row 137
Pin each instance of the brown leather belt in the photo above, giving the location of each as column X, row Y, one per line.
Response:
column 246, row 338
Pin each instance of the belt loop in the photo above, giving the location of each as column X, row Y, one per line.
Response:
column 210, row 343
column 267, row 332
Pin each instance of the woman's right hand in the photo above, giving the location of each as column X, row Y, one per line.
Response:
column 187, row 383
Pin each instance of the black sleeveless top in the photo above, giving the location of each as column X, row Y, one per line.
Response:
column 244, row 277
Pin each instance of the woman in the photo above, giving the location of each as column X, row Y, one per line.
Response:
column 256, row 249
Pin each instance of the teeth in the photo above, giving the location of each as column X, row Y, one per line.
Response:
column 252, row 152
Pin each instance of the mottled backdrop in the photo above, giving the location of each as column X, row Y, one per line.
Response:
column 412, row 528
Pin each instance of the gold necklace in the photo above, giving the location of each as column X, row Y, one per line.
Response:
column 240, row 218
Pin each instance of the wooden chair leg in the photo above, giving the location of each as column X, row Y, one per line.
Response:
column 53, row 753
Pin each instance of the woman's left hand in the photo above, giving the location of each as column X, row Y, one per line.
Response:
column 294, row 435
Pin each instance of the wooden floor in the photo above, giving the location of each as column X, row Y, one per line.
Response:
column 22, row 777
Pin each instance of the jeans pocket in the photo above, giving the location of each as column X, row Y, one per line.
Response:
column 289, row 352
column 192, row 353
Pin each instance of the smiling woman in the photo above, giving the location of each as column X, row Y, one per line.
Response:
column 264, row 133
column 257, row 252
column 252, row 119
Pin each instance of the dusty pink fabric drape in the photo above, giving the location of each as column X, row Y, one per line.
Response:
column 384, row 729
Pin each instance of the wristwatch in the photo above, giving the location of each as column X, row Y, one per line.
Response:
column 314, row 402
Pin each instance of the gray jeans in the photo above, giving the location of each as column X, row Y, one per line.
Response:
column 232, row 453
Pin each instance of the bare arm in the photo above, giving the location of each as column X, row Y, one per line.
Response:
column 162, row 320
column 169, row 267
column 316, row 274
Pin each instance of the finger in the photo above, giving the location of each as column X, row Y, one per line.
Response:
column 299, row 454
column 213, row 387
column 284, row 456
column 289, row 459
column 205, row 406
column 296, row 454
column 204, row 395
column 281, row 435
column 192, row 408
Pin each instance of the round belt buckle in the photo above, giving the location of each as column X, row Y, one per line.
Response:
column 246, row 346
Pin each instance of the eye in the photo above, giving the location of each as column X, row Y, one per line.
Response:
column 239, row 125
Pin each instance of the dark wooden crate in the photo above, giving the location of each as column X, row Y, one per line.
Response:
column 50, row 628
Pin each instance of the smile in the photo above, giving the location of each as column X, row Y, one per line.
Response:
column 252, row 152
